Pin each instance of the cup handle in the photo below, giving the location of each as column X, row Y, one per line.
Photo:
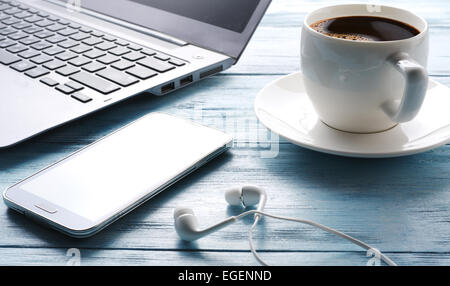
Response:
column 416, row 86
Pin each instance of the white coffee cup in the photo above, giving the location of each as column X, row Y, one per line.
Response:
column 364, row 86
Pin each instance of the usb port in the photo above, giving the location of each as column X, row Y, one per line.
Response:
column 186, row 80
column 168, row 87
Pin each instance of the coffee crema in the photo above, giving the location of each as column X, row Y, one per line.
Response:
column 365, row 28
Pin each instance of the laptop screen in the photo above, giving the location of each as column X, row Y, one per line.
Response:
column 228, row 14
column 224, row 26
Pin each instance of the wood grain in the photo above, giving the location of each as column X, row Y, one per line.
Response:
column 398, row 205
column 56, row 256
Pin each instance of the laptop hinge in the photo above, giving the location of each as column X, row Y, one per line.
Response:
column 71, row 7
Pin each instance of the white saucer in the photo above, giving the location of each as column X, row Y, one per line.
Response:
column 285, row 109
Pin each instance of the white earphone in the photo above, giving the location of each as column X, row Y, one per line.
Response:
column 187, row 227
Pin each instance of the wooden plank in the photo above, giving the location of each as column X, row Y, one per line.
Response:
column 58, row 256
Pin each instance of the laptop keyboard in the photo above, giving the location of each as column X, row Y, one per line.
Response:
column 39, row 45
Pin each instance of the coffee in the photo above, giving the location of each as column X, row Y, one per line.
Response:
column 365, row 28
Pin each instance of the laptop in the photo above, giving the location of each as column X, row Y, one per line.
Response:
column 61, row 60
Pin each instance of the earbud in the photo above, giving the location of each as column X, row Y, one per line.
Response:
column 246, row 196
column 187, row 227
column 186, row 223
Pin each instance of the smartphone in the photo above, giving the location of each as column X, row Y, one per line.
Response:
column 88, row 190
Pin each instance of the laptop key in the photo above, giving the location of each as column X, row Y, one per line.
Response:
column 118, row 77
column 79, row 61
column 67, row 71
column 64, row 89
column 41, row 46
column 55, row 27
column 33, row 19
column 81, row 97
column 85, row 30
column 41, row 59
column 22, row 7
column 67, row 32
column 156, row 65
column 23, row 15
column 108, row 59
column 43, row 14
column 176, row 62
column 7, row 58
column 123, row 65
column 94, row 82
column 4, row 7
column 29, row 54
column 12, row 11
column 68, row 44
column 135, row 47
column 7, row 43
column 17, row 49
column 21, row 25
column 37, row 72
column 134, row 56
column 32, row 30
column 48, row 81
column 109, row 38
column 80, row 36
column 142, row 72
column 53, row 18
column 66, row 56
column 92, row 41
column 97, row 34
column 94, row 54
column 74, row 26
column 122, row 43
column 10, row 21
column 17, row 36
column 43, row 34
column 44, row 23
column 94, row 67
column 162, row 57
column 119, row 51
column 3, row 16
column 148, row 52
column 74, row 85
column 63, row 22
column 105, row 46
column 22, row 66
column 53, row 51
column 7, row 31
column 29, row 41
column 55, row 64
column 81, row 49
column 56, row 39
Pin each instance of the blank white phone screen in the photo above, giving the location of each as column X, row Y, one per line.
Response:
column 124, row 167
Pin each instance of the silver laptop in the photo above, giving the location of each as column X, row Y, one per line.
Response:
column 60, row 60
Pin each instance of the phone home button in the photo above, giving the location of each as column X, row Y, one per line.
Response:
column 46, row 208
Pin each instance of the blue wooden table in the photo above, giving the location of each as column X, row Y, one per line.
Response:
column 399, row 205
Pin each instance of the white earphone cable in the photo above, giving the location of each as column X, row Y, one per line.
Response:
column 383, row 257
